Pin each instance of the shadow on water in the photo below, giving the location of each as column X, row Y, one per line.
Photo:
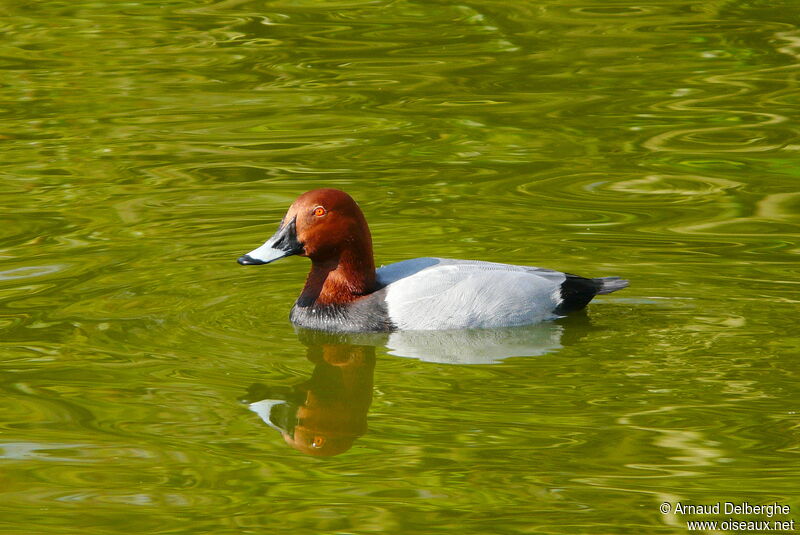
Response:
column 324, row 415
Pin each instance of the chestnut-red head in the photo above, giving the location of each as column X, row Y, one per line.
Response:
column 327, row 226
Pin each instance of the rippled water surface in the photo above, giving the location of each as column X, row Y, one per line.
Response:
column 152, row 385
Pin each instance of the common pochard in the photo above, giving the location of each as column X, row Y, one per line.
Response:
column 344, row 291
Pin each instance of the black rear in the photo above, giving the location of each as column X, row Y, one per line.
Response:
column 576, row 292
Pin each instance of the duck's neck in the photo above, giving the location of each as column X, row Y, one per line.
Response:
column 340, row 279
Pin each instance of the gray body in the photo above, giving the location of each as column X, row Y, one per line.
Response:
column 437, row 293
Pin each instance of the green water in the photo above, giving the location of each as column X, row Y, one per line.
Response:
column 146, row 145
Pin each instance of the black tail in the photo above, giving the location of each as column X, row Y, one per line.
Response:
column 576, row 292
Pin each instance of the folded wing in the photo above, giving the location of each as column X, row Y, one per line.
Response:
column 436, row 293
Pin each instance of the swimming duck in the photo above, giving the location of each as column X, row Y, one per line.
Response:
column 344, row 292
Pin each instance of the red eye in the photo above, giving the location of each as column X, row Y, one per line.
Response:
column 319, row 211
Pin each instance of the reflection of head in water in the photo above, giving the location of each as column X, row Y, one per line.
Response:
column 324, row 415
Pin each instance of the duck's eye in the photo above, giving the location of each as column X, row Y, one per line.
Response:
column 319, row 211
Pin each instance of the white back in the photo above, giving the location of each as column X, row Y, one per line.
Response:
column 439, row 293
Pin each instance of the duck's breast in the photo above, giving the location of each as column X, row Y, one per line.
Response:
column 438, row 293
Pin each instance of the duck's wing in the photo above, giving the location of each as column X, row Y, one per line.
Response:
column 438, row 293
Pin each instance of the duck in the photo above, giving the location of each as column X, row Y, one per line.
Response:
column 345, row 293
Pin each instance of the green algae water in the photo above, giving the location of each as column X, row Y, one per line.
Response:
column 152, row 385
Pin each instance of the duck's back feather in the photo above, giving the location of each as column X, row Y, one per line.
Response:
column 438, row 293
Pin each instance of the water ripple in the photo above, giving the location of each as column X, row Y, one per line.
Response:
column 147, row 145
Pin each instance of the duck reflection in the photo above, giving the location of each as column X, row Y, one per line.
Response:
column 324, row 415
column 476, row 346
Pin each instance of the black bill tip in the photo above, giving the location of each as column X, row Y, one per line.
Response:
column 246, row 260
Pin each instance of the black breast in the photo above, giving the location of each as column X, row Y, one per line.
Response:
column 368, row 314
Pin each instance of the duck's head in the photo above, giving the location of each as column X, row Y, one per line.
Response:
column 321, row 224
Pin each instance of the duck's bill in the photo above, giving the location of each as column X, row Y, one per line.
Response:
column 282, row 244
column 276, row 413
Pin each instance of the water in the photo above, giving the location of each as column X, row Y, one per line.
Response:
column 146, row 145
